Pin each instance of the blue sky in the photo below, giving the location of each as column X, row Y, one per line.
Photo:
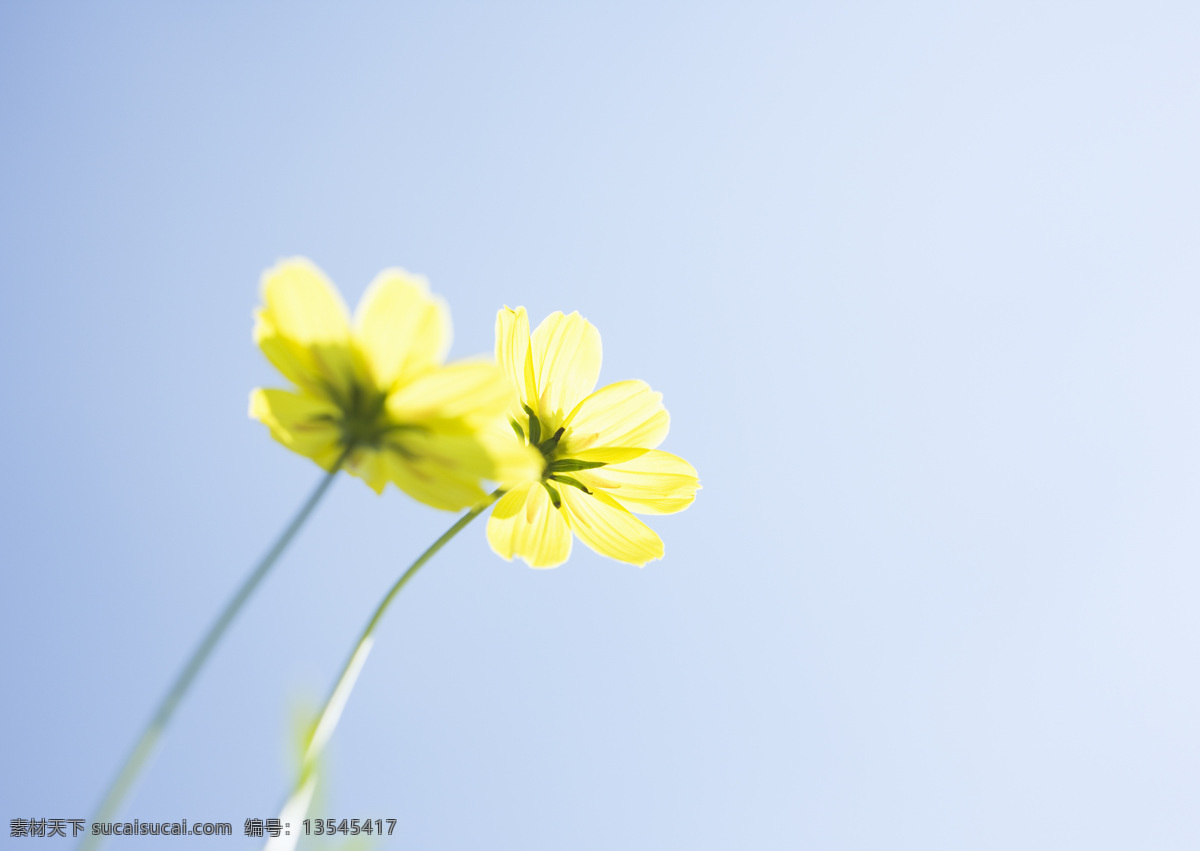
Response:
column 919, row 285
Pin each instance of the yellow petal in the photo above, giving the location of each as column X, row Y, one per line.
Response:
column 470, row 391
column 441, row 489
column 609, row 454
column 657, row 506
column 606, row 527
column 402, row 330
column 370, row 465
column 512, row 460
column 566, row 363
column 440, row 469
column 625, row 414
column 303, row 327
column 655, row 482
column 303, row 423
column 525, row 524
column 302, row 304
column 514, row 355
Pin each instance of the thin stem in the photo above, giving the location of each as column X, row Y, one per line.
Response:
column 331, row 712
column 154, row 729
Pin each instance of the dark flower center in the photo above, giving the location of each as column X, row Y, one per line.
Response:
column 556, row 466
column 362, row 418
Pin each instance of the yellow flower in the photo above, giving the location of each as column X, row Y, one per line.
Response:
column 375, row 393
column 599, row 457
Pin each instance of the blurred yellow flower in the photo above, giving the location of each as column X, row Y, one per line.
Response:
column 599, row 457
column 374, row 394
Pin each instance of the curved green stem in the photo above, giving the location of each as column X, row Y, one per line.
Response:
column 331, row 712
column 153, row 731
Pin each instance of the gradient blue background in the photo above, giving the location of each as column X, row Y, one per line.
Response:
column 919, row 283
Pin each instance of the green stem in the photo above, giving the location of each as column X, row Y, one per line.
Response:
column 146, row 744
column 332, row 710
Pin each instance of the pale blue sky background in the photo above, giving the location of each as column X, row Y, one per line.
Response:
column 919, row 283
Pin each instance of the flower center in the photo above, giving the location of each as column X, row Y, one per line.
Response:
column 362, row 419
column 557, row 467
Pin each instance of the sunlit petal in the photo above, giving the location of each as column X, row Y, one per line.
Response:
column 370, row 465
column 514, row 355
column 303, row 327
column 300, row 422
column 469, row 391
column 526, row 525
column 654, row 482
column 566, row 363
column 606, row 527
column 401, row 329
column 625, row 414
column 439, row 469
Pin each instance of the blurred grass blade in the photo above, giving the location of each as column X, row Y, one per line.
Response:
column 146, row 744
